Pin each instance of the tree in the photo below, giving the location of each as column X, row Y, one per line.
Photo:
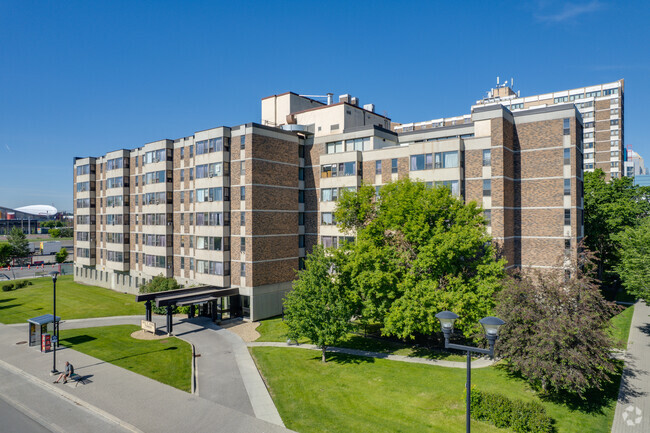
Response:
column 5, row 254
column 62, row 255
column 418, row 251
column 55, row 233
column 609, row 208
column 319, row 307
column 556, row 333
column 18, row 242
column 634, row 266
column 160, row 283
column 66, row 232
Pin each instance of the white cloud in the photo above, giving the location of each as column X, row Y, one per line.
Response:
column 572, row 10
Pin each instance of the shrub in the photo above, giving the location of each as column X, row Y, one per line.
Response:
column 519, row 416
column 8, row 287
column 20, row 284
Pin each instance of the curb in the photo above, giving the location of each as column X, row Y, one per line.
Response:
column 69, row 397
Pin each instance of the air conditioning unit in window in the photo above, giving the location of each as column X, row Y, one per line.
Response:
column 211, row 175
column 210, row 199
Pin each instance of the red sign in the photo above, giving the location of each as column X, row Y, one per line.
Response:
column 46, row 343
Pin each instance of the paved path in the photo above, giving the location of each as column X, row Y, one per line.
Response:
column 633, row 408
column 147, row 405
column 477, row 363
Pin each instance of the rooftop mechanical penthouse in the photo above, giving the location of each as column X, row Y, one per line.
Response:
column 240, row 207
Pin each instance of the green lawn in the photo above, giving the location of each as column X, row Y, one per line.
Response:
column 275, row 330
column 73, row 301
column 356, row 394
column 621, row 326
column 167, row 361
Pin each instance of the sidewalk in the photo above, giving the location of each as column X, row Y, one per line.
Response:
column 135, row 402
column 633, row 407
column 476, row 363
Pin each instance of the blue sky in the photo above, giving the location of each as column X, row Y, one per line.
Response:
column 85, row 78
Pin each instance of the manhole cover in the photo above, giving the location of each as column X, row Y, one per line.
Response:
column 22, row 342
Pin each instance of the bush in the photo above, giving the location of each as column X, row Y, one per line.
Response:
column 20, row 284
column 519, row 416
column 8, row 287
column 55, row 233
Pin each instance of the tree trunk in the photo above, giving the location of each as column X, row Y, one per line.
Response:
column 323, row 355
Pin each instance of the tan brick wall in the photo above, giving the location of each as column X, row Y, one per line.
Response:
column 402, row 168
column 546, row 192
column 544, row 163
column 269, row 223
column 271, row 248
column 272, row 272
column 474, row 163
column 264, row 197
column 269, row 173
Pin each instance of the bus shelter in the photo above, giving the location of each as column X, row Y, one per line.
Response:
column 43, row 325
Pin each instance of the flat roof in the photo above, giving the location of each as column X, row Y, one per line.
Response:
column 44, row 319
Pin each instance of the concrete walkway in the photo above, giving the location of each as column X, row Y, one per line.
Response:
column 476, row 363
column 232, row 395
column 633, row 407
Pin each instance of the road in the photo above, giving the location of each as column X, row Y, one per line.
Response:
column 15, row 421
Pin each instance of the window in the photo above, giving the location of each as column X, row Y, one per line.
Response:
column 191, row 151
column 242, row 142
column 567, row 246
column 340, row 169
column 136, row 161
column 487, row 157
column 191, row 174
column 243, row 270
column 567, row 186
column 358, row 144
column 613, row 111
column 613, row 122
column 446, row 159
column 587, row 125
column 567, row 156
column 191, row 196
column 334, row 147
column 182, row 156
column 329, row 241
column 451, row 184
column 393, row 165
column 377, row 167
column 182, row 258
column 301, row 218
column 561, row 99
column 242, row 193
column 567, row 217
column 329, row 194
column 242, row 219
column 182, row 174
column 614, row 132
column 487, row 187
column 182, row 219
column 487, row 214
column 567, row 126
column 614, row 153
column 182, row 196
column 421, row 162
column 589, row 166
column 301, row 173
column 212, row 194
column 327, row 219
column 301, row 196
column 614, row 164
column 301, row 263
column 301, row 151
column 242, row 244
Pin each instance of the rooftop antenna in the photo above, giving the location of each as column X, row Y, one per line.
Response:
column 512, row 83
column 497, row 81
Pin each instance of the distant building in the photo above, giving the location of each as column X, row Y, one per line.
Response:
column 602, row 110
column 642, row 180
column 635, row 165
column 240, row 207
column 23, row 218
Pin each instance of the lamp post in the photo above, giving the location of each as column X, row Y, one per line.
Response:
column 55, row 326
column 491, row 326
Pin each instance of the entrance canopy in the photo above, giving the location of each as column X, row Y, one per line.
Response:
column 192, row 295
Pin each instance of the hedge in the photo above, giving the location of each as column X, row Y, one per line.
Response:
column 15, row 286
column 517, row 415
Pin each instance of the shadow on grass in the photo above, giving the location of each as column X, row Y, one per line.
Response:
column 593, row 401
column 345, row 359
column 79, row 339
column 7, row 300
column 4, row 307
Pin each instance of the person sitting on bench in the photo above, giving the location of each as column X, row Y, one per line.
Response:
column 69, row 372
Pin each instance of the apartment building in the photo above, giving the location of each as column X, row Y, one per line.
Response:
column 602, row 110
column 239, row 207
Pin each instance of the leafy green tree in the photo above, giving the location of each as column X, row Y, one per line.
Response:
column 55, row 233
column 160, row 283
column 556, row 332
column 418, row 251
column 5, row 254
column 19, row 243
column 66, row 232
column 319, row 306
column 634, row 266
column 609, row 208
column 62, row 255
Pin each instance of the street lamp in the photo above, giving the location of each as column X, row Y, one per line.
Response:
column 55, row 338
column 491, row 326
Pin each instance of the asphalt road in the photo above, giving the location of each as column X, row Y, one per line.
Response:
column 14, row 420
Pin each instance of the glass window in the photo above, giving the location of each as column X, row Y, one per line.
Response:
column 421, row 162
column 242, row 244
column 301, row 173
column 487, row 214
column 487, row 187
column 301, row 218
column 378, row 167
column 567, row 217
column 301, row 196
column 242, row 142
column 393, row 165
column 446, row 159
column 567, row 156
column 567, row 186
column 487, row 157
column 242, row 219
column 242, row 192
column 567, row 126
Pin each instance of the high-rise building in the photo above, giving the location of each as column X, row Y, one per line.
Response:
column 602, row 110
column 634, row 165
column 239, row 207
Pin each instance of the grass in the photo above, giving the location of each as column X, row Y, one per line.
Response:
column 351, row 393
column 621, row 327
column 167, row 361
column 275, row 329
column 73, row 301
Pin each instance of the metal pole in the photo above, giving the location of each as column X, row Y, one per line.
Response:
column 469, row 391
column 54, row 370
